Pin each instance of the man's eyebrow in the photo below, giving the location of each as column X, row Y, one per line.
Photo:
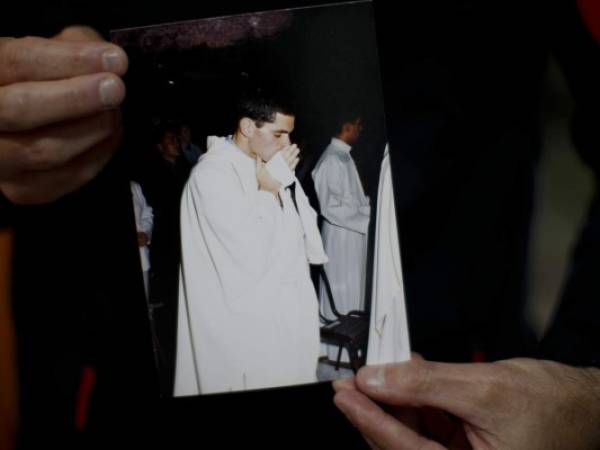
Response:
column 282, row 131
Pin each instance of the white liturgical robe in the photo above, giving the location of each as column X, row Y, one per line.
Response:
column 346, row 212
column 388, row 330
column 248, row 312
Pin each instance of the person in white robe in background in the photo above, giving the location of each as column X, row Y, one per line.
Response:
column 346, row 212
column 144, row 220
column 248, row 311
column 388, row 330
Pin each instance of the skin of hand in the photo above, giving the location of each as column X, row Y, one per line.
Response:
column 142, row 239
column 509, row 405
column 59, row 112
column 291, row 156
column 265, row 181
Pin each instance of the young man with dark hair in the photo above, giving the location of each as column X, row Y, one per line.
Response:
column 248, row 312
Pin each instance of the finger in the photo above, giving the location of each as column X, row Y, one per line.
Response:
column 36, row 187
column 38, row 59
column 416, row 356
column 465, row 390
column 290, row 153
column 294, row 164
column 51, row 147
column 407, row 415
column 25, row 106
column 370, row 443
column 345, row 383
column 294, row 158
column 382, row 430
column 286, row 154
column 79, row 33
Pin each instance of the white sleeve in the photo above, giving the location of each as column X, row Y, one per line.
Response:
column 338, row 207
column 147, row 216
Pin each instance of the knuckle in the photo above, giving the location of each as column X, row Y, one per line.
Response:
column 37, row 156
column 417, row 378
column 14, row 61
column 79, row 57
column 500, row 390
column 9, row 60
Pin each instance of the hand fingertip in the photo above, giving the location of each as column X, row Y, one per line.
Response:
column 344, row 383
column 115, row 60
column 111, row 91
column 342, row 402
column 371, row 377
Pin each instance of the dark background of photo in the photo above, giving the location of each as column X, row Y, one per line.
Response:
column 325, row 62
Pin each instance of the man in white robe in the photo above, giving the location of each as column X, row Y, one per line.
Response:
column 248, row 312
column 346, row 212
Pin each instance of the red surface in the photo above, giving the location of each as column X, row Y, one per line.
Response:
column 88, row 381
column 590, row 12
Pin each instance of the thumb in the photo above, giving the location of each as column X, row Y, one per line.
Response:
column 460, row 389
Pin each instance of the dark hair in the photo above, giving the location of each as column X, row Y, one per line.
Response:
column 161, row 130
column 262, row 107
column 348, row 115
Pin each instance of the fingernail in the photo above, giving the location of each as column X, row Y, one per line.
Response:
column 114, row 61
column 373, row 376
column 110, row 92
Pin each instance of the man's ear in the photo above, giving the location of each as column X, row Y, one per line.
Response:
column 247, row 127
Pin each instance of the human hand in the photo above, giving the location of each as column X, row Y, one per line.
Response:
column 512, row 404
column 290, row 155
column 142, row 239
column 59, row 116
column 266, row 182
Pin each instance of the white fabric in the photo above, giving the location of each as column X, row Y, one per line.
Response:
column 278, row 169
column 144, row 220
column 248, row 312
column 346, row 211
column 388, row 331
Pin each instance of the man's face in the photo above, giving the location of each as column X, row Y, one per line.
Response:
column 354, row 130
column 185, row 134
column 169, row 145
column 272, row 136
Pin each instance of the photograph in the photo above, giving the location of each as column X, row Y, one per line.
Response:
column 263, row 198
